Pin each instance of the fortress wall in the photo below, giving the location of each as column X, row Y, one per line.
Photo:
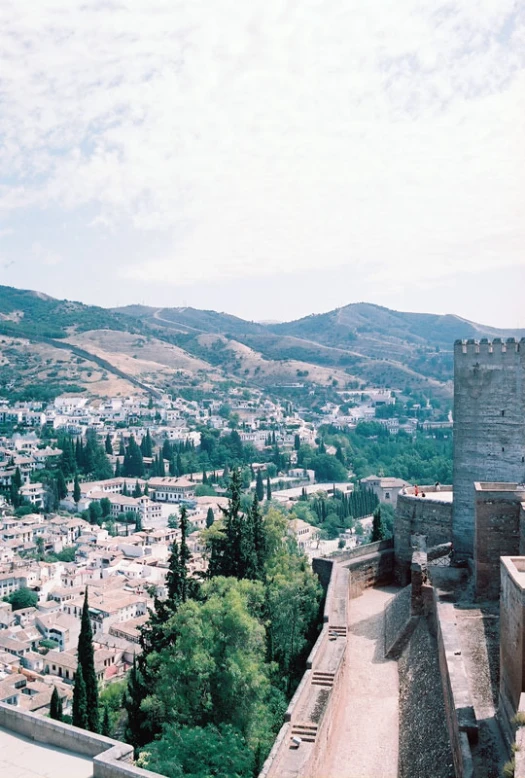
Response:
column 489, row 424
column 459, row 708
column 428, row 516
column 497, row 534
column 370, row 570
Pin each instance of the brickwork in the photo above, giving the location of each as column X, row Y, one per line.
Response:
column 430, row 515
column 497, row 533
column 512, row 643
column 489, row 424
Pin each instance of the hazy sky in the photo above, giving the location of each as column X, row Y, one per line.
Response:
column 269, row 158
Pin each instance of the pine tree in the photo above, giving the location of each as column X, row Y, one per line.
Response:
column 76, row 490
column 55, row 706
column 268, row 489
column 259, row 486
column 210, row 518
column 80, row 715
column 86, row 660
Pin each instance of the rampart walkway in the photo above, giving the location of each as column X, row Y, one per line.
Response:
column 365, row 736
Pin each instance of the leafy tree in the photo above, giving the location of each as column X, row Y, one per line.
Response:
column 200, row 752
column 80, row 704
column 86, row 661
column 55, row 706
column 328, row 468
column 95, row 512
column 22, row 598
column 105, row 505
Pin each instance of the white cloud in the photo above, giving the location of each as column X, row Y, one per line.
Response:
column 272, row 136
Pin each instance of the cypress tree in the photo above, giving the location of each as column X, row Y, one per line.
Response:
column 268, row 488
column 80, row 716
column 137, row 730
column 108, row 445
column 86, row 660
column 61, row 485
column 117, row 468
column 137, row 491
column 76, row 490
column 210, row 518
column 55, row 706
column 259, row 486
column 105, row 728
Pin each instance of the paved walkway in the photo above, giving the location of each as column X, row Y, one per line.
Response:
column 23, row 758
column 365, row 735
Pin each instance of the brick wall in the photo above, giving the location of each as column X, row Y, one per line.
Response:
column 419, row 515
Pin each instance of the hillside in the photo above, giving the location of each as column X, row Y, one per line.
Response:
column 106, row 351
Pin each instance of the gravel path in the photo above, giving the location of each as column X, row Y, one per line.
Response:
column 365, row 735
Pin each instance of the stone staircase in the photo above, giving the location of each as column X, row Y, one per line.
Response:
column 323, row 679
column 306, row 731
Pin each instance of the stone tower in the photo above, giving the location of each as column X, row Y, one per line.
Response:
column 489, row 424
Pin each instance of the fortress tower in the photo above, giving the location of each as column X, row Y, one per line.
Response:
column 489, row 424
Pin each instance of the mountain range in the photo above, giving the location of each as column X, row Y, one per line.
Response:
column 70, row 344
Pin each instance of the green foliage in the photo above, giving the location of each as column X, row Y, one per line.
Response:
column 204, row 490
column 22, row 598
column 86, row 661
column 378, row 529
column 200, row 752
column 133, row 465
column 210, row 518
column 55, row 706
column 371, row 450
column 80, row 705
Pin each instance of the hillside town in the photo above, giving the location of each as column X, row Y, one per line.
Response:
column 112, row 536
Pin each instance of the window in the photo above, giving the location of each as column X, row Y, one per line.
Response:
column 387, row 495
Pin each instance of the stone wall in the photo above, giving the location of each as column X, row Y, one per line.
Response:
column 111, row 758
column 461, row 720
column 430, row 516
column 372, row 569
column 489, row 424
column 512, row 643
column 497, row 533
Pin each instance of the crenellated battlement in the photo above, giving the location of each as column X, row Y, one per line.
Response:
column 483, row 347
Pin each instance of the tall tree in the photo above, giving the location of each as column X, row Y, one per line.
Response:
column 76, row 490
column 108, row 445
column 86, row 661
column 268, row 489
column 210, row 518
column 259, row 486
column 80, row 713
column 55, row 706
column 137, row 731
column 61, row 485
column 378, row 530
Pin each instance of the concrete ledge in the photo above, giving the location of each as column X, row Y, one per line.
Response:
column 461, row 720
column 111, row 758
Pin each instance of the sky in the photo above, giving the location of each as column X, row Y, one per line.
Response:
column 268, row 158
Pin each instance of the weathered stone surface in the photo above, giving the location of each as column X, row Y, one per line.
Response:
column 489, row 425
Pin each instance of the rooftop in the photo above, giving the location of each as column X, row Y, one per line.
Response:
column 24, row 758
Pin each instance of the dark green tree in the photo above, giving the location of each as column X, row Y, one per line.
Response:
column 61, row 485
column 86, row 660
column 80, row 705
column 137, row 491
column 259, row 486
column 105, row 728
column 22, row 598
column 76, row 490
column 210, row 518
column 55, row 706
column 268, row 489
column 378, row 530
column 108, row 445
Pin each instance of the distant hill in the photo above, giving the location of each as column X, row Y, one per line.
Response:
column 170, row 348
